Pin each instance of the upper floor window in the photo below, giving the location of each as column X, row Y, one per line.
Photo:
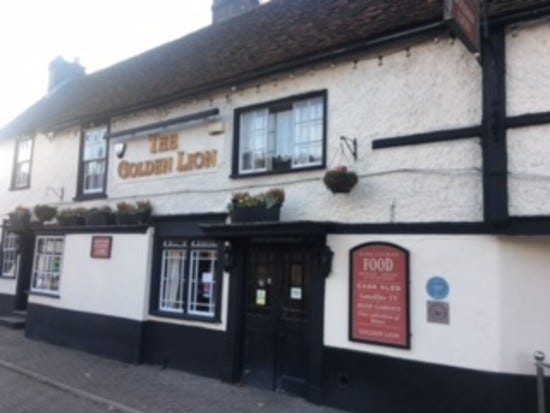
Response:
column 22, row 167
column 94, row 161
column 284, row 135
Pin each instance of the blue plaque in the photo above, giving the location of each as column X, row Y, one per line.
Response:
column 437, row 288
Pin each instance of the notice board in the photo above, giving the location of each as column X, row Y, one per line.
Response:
column 379, row 295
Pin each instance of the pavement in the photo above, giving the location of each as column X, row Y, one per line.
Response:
column 40, row 377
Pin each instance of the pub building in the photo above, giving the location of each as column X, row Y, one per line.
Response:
column 420, row 284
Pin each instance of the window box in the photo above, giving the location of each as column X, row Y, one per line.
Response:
column 280, row 164
column 99, row 218
column 130, row 219
column 20, row 217
column 256, row 214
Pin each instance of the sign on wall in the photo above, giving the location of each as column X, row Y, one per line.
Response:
column 463, row 16
column 101, row 247
column 379, row 294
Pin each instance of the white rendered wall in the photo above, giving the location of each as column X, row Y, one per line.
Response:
column 498, row 300
column 525, row 304
column 527, row 68
column 112, row 287
column 53, row 169
column 118, row 286
column 528, row 88
column 529, row 166
column 404, row 95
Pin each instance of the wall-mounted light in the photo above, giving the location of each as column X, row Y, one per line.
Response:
column 228, row 260
column 120, row 149
column 326, row 261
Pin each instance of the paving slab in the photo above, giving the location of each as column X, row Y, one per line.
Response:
column 100, row 383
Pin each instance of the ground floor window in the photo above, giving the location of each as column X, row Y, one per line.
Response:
column 188, row 281
column 10, row 255
column 48, row 258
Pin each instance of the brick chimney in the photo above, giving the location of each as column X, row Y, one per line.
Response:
column 226, row 9
column 62, row 72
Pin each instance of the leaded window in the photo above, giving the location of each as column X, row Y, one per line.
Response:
column 282, row 136
column 188, row 282
column 10, row 254
column 48, row 259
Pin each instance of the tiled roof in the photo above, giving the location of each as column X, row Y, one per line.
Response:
column 278, row 32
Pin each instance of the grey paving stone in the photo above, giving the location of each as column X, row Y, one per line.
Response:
column 142, row 387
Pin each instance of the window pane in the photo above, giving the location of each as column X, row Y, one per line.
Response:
column 201, row 291
column 10, row 255
column 24, row 150
column 94, row 173
column 172, row 279
column 48, row 259
column 95, row 144
column 308, row 131
column 22, row 174
column 253, row 140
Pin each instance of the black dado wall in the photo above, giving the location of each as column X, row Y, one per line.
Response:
column 362, row 382
column 112, row 337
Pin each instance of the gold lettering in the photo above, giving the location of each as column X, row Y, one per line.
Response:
column 210, row 159
column 153, row 143
column 123, row 169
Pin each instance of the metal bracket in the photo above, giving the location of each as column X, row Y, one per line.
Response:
column 351, row 144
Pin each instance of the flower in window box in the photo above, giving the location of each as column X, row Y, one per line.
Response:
column 340, row 180
column 71, row 216
column 265, row 206
column 44, row 213
column 133, row 214
column 99, row 216
column 20, row 216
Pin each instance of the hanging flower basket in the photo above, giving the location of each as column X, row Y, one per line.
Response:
column 339, row 180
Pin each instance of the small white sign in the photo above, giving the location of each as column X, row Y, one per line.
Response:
column 207, row 277
column 260, row 296
column 295, row 293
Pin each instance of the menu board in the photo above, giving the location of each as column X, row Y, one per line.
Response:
column 101, row 247
column 379, row 294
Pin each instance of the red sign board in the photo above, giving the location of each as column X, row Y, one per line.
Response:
column 101, row 247
column 463, row 17
column 379, row 294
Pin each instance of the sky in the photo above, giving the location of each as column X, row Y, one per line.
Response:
column 99, row 33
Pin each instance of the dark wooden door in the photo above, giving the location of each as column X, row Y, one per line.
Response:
column 276, row 325
column 24, row 270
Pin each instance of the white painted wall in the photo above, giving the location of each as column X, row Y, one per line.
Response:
column 112, row 287
column 498, row 300
column 529, row 166
column 118, row 286
column 525, row 304
column 403, row 95
column 527, row 68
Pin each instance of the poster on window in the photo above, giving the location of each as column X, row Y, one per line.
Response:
column 379, row 294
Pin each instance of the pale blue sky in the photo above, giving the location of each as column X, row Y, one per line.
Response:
column 99, row 33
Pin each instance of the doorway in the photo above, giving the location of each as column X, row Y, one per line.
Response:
column 276, row 351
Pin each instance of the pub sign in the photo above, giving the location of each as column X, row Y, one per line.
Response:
column 379, row 295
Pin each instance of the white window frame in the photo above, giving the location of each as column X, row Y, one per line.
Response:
column 99, row 162
column 180, row 280
column 261, row 136
column 19, row 179
column 44, row 264
column 10, row 255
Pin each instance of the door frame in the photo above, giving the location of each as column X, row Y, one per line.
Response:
column 237, row 306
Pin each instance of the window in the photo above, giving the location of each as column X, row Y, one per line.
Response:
column 283, row 136
column 187, row 282
column 22, row 167
column 46, row 269
column 10, row 255
column 94, row 161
